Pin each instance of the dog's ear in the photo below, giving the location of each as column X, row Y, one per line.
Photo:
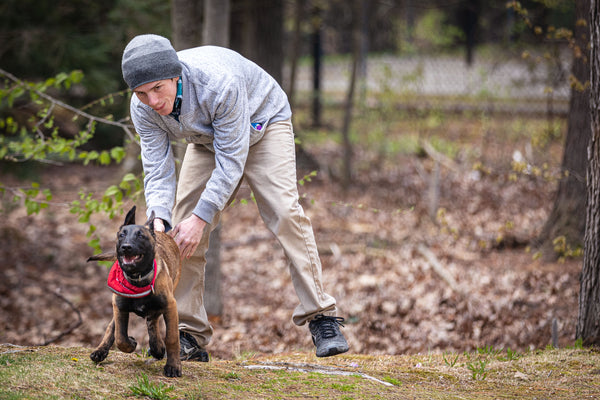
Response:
column 150, row 222
column 130, row 217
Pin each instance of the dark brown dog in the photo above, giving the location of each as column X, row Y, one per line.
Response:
column 150, row 266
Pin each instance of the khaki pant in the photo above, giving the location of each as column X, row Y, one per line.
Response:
column 270, row 172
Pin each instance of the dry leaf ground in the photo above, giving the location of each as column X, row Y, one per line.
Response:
column 407, row 280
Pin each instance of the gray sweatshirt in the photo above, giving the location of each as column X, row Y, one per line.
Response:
column 223, row 93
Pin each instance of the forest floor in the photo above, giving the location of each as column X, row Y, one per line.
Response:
column 407, row 280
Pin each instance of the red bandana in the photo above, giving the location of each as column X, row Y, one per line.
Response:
column 121, row 286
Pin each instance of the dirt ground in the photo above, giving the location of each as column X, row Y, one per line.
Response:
column 404, row 281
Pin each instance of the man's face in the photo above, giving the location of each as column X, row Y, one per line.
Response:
column 159, row 95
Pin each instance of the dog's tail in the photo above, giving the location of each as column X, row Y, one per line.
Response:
column 103, row 257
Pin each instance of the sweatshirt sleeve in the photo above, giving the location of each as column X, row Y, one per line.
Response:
column 231, row 124
column 158, row 162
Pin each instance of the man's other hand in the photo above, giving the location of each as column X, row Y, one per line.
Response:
column 187, row 234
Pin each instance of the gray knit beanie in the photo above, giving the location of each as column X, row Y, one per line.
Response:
column 149, row 58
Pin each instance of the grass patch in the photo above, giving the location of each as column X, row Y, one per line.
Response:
column 68, row 373
column 152, row 390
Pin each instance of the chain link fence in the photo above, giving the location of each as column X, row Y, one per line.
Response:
column 514, row 84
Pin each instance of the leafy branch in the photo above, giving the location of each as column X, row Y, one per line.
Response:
column 38, row 137
column 37, row 91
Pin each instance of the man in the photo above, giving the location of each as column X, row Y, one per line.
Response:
column 237, row 122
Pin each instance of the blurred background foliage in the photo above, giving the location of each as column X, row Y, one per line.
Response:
column 39, row 39
column 420, row 61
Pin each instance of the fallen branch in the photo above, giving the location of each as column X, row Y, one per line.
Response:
column 315, row 368
column 439, row 157
column 18, row 348
column 440, row 270
column 72, row 327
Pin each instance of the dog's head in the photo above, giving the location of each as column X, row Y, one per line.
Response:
column 135, row 246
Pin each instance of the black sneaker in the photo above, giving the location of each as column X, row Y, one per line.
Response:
column 326, row 335
column 190, row 349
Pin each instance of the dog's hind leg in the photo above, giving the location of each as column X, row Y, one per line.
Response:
column 103, row 348
column 157, row 344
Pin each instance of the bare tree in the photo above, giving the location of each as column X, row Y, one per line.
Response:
column 215, row 32
column 567, row 218
column 357, row 10
column 186, row 23
column 299, row 7
column 257, row 33
column 216, row 22
column 196, row 22
column 317, row 22
column 588, row 321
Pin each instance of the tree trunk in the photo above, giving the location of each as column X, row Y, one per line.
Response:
column 196, row 22
column 317, row 55
column 186, row 28
column 215, row 32
column 357, row 10
column 257, row 33
column 588, row 321
column 469, row 18
column 364, row 52
column 186, row 23
column 213, row 278
column 567, row 217
column 216, row 23
column 295, row 49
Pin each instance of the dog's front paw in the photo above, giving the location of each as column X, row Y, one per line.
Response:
column 99, row 355
column 172, row 371
column 127, row 346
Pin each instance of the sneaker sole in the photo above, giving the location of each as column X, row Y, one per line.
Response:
column 202, row 357
column 333, row 351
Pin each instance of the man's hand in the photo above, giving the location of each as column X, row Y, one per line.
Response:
column 187, row 234
column 159, row 225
